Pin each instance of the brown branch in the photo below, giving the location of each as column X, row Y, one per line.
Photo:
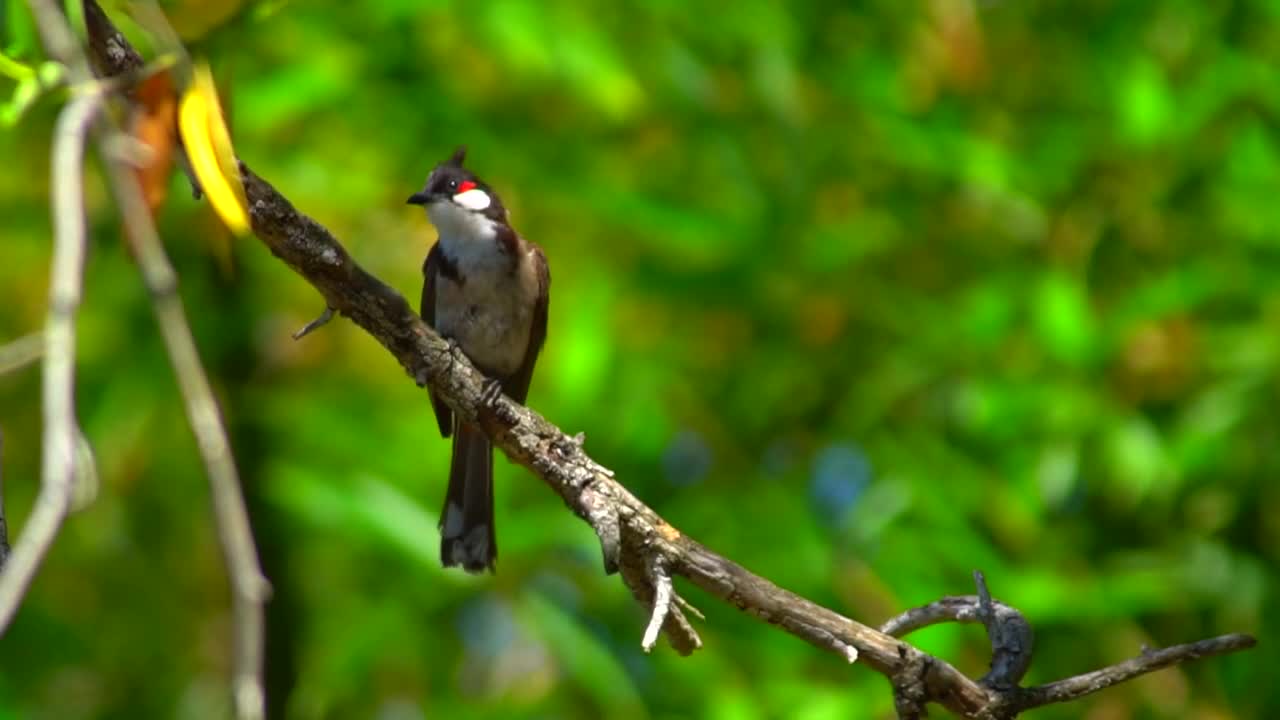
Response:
column 634, row 539
column 1012, row 639
column 1149, row 661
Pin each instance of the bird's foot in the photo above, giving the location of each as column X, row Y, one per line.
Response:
column 490, row 393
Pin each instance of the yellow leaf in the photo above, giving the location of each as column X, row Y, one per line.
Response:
column 208, row 145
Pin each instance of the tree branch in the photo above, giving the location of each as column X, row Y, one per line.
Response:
column 1011, row 636
column 249, row 589
column 19, row 353
column 1149, row 661
column 58, row 464
column 634, row 539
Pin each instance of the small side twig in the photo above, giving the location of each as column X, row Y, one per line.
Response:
column 661, row 603
column 1012, row 639
column 65, row 286
column 1149, row 661
column 647, row 575
column 307, row 329
column 954, row 608
column 17, row 354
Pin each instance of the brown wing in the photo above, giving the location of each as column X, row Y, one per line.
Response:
column 517, row 386
column 430, row 272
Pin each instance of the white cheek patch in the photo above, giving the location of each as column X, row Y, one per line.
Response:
column 473, row 199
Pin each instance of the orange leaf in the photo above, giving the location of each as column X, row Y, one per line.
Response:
column 154, row 123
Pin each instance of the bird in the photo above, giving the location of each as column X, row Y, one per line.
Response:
column 486, row 290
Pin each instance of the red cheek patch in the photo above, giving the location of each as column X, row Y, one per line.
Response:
column 465, row 185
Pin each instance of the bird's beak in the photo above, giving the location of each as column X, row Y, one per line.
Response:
column 419, row 198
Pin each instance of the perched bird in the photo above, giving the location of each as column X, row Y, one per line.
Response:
column 486, row 289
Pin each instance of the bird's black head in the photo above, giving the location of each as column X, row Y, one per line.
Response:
column 452, row 183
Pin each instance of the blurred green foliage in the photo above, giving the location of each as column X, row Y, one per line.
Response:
column 863, row 296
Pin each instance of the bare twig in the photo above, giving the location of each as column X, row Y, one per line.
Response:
column 949, row 609
column 1012, row 639
column 65, row 285
column 986, row 610
column 249, row 588
column 661, row 603
column 20, row 353
column 1010, row 633
column 320, row 321
column 688, row 607
column 649, row 579
column 1149, row 661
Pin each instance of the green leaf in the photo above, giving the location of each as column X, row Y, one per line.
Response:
column 369, row 508
column 1145, row 102
column 1064, row 320
column 18, row 36
column 1137, row 457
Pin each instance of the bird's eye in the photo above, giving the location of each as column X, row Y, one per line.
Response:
column 453, row 184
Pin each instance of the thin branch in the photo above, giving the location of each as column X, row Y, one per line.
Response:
column 1010, row 633
column 1149, row 661
column 249, row 588
column 314, row 325
column 649, row 579
column 17, row 354
column 962, row 608
column 65, row 286
column 1012, row 639
column 661, row 604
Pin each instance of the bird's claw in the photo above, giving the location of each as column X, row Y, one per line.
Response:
column 490, row 392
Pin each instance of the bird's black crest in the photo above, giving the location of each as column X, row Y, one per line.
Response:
column 448, row 176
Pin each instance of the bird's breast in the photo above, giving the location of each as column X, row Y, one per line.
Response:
column 488, row 310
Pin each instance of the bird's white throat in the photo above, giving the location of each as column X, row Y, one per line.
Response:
column 468, row 238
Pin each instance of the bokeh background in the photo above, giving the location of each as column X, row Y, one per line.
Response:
column 864, row 296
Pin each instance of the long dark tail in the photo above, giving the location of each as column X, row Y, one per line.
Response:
column 466, row 523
